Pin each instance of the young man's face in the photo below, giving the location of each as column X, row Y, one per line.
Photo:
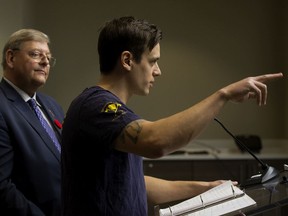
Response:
column 144, row 73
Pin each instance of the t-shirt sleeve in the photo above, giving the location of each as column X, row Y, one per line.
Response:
column 103, row 118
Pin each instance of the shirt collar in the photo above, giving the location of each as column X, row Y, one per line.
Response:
column 23, row 94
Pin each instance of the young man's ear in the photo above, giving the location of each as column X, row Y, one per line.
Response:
column 126, row 59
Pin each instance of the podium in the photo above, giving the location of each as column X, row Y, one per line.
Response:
column 271, row 197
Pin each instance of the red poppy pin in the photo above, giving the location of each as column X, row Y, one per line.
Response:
column 58, row 124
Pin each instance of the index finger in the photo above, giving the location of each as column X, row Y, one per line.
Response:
column 269, row 77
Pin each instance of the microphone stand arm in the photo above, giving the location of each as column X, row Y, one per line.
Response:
column 268, row 172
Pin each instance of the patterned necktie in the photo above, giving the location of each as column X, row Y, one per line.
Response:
column 44, row 123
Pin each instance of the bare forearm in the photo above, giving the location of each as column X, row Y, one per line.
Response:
column 163, row 191
column 178, row 130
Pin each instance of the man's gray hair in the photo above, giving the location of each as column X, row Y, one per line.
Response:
column 20, row 36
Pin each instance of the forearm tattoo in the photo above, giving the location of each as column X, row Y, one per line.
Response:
column 132, row 131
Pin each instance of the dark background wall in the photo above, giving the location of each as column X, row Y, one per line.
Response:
column 206, row 45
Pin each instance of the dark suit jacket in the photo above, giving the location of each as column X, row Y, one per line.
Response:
column 30, row 171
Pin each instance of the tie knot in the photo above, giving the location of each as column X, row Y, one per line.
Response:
column 32, row 103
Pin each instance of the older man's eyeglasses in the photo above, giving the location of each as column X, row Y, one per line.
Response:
column 38, row 56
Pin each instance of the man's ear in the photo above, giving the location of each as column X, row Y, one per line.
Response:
column 10, row 58
column 126, row 60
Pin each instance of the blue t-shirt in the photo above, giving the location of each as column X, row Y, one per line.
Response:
column 96, row 178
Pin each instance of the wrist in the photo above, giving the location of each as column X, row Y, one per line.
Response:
column 223, row 94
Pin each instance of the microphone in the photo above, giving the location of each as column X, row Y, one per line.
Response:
column 267, row 173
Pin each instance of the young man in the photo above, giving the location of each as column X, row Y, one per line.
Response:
column 104, row 141
column 30, row 171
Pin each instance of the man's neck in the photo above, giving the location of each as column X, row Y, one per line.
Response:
column 115, row 85
column 22, row 93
